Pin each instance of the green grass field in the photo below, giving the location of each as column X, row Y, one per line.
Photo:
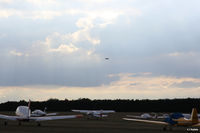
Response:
column 111, row 124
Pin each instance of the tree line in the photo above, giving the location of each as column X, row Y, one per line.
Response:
column 119, row 105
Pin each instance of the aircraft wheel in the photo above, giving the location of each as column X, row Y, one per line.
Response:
column 164, row 128
column 170, row 128
column 5, row 123
column 38, row 124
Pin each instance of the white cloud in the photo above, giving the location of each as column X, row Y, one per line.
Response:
column 95, row 1
column 43, row 2
column 44, row 14
column 64, row 48
column 82, row 35
column 5, row 13
column 68, row 46
column 6, row 1
column 107, row 16
column 85, row 23
column 13, row 52
column 49, row 9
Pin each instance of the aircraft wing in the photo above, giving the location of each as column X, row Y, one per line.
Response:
column 147, row 121
column 196, row 125
column 50, row 114
column 82, row 111
column 96, row 111
column 134, row 116
column 49, row 118
column 161, row 117
column 7, row 117
column 107, row 111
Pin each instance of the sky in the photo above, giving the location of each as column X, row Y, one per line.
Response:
column 57, row 49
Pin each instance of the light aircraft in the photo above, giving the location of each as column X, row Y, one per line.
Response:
column 189, row 115
column 142, row 116
column 39, row 112
column 148, row 116
column 23, row 114
column 95, row 113
column 175, row 119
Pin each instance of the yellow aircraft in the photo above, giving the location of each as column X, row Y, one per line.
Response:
column 175, row 119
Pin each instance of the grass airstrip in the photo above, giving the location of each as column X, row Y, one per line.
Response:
column 111, row 124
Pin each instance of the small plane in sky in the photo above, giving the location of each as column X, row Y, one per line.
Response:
column 175, row 119
column 23, row 114
column 39, row 112
column 95, row 113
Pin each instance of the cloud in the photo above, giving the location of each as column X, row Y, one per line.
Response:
column 35, row 15
column 43, row 2
column 5, row 13
column 64, row 48
column 183, row 54
column 127, row 86
column 67, row 43
column 50, row 9
column 187, row 84
column 3, row 35
column 44, row 14
column 6, row 1
column 143, row 86
column 146, row 82
column 13, row 52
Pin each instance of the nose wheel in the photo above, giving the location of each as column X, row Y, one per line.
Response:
column 38, row 124
column 165, row 128
column 5, row 123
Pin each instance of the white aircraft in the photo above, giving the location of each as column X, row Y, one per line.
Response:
column 95, row 113
column 23, row 114
column 148, row 116
column 39, row 112
column 142, row 116
column 175, row 119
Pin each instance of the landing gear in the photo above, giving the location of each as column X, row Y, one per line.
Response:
column 164, row 128
column 170, row 128
column 19, row 123
column 38, row 124
column 5, row 123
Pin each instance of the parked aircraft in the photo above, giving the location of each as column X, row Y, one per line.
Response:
column 39, row 112
column 95, row 113
column 142, row 116
column 23, row 114
column 148, row 116
column 175, row 119
column 189, row 115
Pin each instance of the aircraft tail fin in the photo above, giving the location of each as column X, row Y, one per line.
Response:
column 45, row 109
column 194, row 116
